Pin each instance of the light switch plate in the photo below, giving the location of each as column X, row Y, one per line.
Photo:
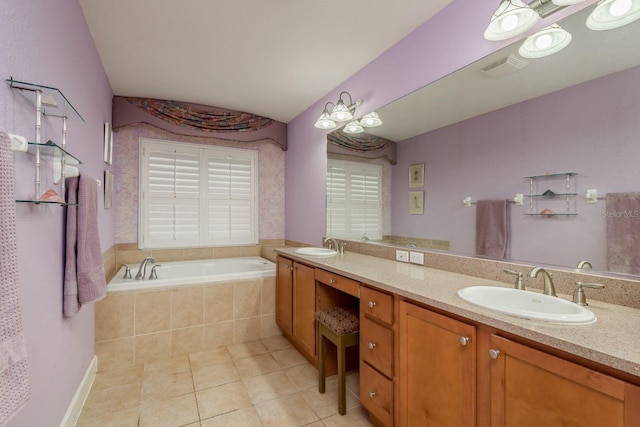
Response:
column 416, row 258
column 402, row 256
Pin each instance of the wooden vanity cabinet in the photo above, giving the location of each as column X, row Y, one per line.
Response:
column 530, row 387
column 284, row 294
column 437, row 369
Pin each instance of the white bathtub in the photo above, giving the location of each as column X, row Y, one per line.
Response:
column 194, row 272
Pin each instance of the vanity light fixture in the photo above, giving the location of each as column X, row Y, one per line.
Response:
column 545, row 42
column 371, row 120
column 353, row 127
column 513, row 17
column 341, row 112
column 610, row 14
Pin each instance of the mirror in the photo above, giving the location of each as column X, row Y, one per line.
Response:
column 479, row 136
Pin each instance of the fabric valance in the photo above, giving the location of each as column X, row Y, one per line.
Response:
column 362, row 142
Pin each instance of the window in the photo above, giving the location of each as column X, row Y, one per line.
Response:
column 193, row 195
column 354, row 200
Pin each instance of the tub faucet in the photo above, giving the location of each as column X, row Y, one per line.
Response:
column 142, row 270
column 154, row 274
column 549, row 289
column 127, row 272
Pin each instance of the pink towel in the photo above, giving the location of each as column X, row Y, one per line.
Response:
column 623, row 232
column 14, row 373
column 492, row 228
column 84, row 279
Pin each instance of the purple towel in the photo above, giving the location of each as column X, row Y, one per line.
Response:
column 492, row 228
column 14, row 372
column 623, row 232
column 84, row 279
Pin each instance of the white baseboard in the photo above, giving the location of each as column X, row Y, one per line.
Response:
column 75, row 407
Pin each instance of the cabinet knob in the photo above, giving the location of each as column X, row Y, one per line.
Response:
column 463, row 340
column 372, row 394
column 372, row 345
column 332, row 281
column 493, row 353
column 372, row 304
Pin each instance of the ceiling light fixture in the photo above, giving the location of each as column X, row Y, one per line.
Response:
column 545, row 42
column 610, row 14
column 343, row 112
column 513, row 17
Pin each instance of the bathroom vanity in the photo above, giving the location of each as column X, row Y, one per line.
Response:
column 427, row 357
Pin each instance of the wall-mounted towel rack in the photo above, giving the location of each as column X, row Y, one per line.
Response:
column 518, row 200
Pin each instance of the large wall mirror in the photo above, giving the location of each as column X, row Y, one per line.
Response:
column 481, row 134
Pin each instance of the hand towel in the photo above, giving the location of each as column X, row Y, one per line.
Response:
column 14, row 375
column 18, row 143
column 623, row 232
column 84, row 280
column 492, row 228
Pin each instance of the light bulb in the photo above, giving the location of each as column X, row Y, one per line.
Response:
column 620, row 7
column 509, row 23
column 544, row 41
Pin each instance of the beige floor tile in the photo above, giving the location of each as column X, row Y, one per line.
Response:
column 355, row 417
column 172, row 412
column 287, row 411
column 113, row 399
column 222, row 399
column 303, row 376
column 215, row 375
column 241, row 418
column 132, row 374
column 353, row 383
column 257, row 365
column 268, row 387
column 277, row 342
column 247, row 349
column 164, row 385
column 288, row 358
column 326, row 404
column 316, row 424
column 126, row 418
column 209, row 357
column 174, row 365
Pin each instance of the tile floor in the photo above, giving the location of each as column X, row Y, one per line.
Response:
column 261, row 383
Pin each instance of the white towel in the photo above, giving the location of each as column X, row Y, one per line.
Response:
column 18, row 143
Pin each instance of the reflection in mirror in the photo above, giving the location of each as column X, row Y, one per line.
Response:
column 481, row 130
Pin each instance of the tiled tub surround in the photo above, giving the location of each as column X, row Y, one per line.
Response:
column 138, row 326
column 613, row 341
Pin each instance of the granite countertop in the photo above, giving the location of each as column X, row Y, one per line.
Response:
column 613, row 340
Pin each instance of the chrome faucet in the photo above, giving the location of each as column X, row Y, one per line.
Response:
column 549, row 289
column 154, row 275
column 127, row 272
column 332, row 240
column 519, row 284
column 142, row 270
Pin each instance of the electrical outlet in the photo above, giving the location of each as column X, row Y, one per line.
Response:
column 402, row 256
column 416, row 258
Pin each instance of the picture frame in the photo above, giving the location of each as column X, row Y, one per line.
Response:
column 108, row 189
column 108, row 144
column 416, row 176
column 416, row 202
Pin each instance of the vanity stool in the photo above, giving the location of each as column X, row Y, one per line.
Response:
column 341, row 326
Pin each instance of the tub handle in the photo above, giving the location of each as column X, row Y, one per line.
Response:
column 127, row 271
column 153, row 274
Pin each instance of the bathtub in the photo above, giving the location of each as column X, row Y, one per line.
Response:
column 180, row 273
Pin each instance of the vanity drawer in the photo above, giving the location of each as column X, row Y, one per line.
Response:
column 376, row 346
column 341, row 283
column 376, row 304
column 376, row 394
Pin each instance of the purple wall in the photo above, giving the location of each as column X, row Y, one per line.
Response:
column 486, row 157
column 450, row 40
column 48, row 42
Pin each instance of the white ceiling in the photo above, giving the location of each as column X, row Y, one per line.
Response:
column 273, row 58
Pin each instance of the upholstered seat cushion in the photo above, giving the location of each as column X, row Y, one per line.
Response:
column 340, row 320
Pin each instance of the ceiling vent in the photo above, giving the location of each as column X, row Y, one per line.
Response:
column 505, row 66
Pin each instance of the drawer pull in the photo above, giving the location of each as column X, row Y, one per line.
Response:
column 372, row 304
column 332, row 281
column 493, row 353
column 372, row 345
column 464, row 340
column 372, row 394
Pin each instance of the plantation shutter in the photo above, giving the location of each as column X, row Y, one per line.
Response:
column 354, row 200
column 192, row 196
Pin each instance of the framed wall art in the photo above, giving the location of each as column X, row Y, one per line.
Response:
column 416, row 176
column 108, row 144
column 416, row 202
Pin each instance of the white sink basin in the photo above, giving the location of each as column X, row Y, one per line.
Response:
column 526, row 304
column 313, row 251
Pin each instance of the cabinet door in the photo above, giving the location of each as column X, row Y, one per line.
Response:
column 529, row 387
column 284, row 294
column 437, row 369
column 304, row 305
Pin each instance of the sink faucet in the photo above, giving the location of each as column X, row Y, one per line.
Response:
column 549, row 289
column 142, row 270
column 334, row 241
